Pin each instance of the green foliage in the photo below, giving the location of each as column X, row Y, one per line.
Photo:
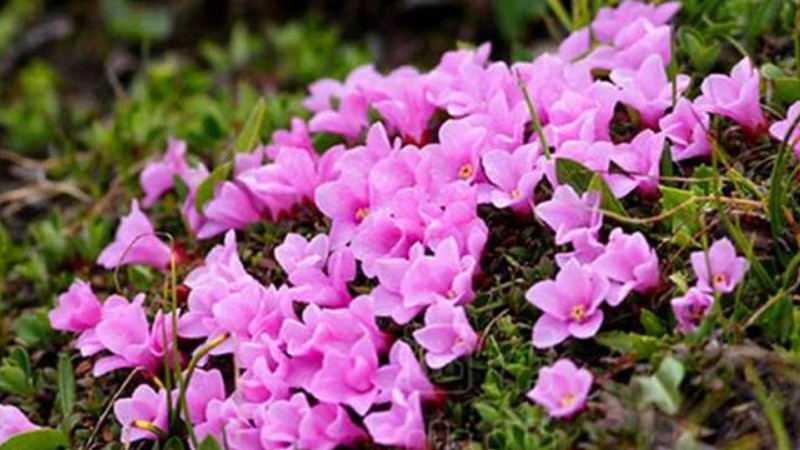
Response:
column 663, row 388
column 136, row 23
column 31, row 120
column 66, row 385
column 44, row 439
column 17, row 377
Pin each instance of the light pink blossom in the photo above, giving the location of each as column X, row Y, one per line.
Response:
column 78, row 309
column 135, row 243
column 447, row 335
column 571, row 305
column 691, row 308
column 562, row 388
column 736, row 97
column 720, row 269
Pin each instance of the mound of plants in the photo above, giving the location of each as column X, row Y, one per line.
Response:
column 595, row 247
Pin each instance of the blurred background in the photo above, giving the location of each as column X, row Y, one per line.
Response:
column 109, row 80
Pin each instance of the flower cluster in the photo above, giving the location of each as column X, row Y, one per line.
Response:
column 402, row 194
column 718, row 271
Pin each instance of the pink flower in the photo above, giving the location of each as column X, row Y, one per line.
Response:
column 232, row 208
column 585, row 249
column 401, row 426
column 328, row 287
column 294, row 423
column 570, row 215
column 445, row 276
column 403, row 373
column 348, row 378
column 145, row 405
column 641, row 159
column 296, row 252
column 159, row 176
column 736, row 97
column 204, row 387
column 125, row 332
column 633, row 44
column 582, row 115
column 288, row 181
column 452, row 213
column 562, row 388
column 457, row 156
column 408, row 108
column 447, row 334
column 348, row 120
column 606, row 24
column 13, row 422
column 647, row 89
column 513, row 177
column 387, row 294
column 346, row 202
column 719, row 270
column 78, row 309
column 690, row 309
column 135, row 243
column 780, row 129
column 629, row 264
column 571, row 305
column 390, row 231
column 686, row 127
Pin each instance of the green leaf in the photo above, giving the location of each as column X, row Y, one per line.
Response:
column 651, row 323
column 608, row 201
column 174, row 443
column 323, row 141
column 33, row 329
column 66, row 384
column 666, row 160
column 778, row 322
column 683, row 224
column 209, row 443
column 663, row 388
column 251, row 133
column 42, row 439
column 786, row 89
column 638, row 346
column 206, row 189
column 573, row 173
column 14, row 381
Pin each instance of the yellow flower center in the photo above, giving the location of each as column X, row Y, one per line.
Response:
column 362, row 214
column 567, row 400
column 466, row 171
column 578, row 313
column 720, row 279
column 516, row 194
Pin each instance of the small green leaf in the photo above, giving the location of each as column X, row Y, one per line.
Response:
column 638, row 346
column 14, row 381
column 174, row 443
column 209, row 443
column 323, row 141
column 573, row 173
column 663, row 388
column 786, row 89
column 42, row 439
column 251, row 133
column 206, row 189
column 651, row 323
column 33, row 329
column 608, row 201
column 666, row 160
column 66, row 384
column 684, row 223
